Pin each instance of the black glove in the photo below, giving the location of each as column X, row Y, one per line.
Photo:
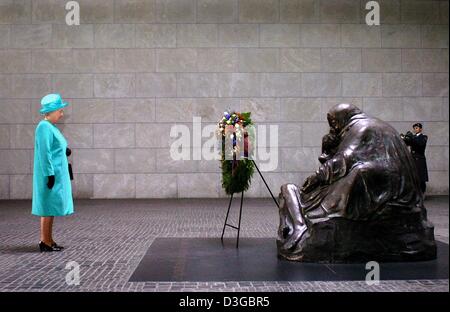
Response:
column 68, row 152
column 70, row 172
column 51, row 181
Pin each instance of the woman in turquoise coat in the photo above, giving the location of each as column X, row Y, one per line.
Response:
column 52, row 190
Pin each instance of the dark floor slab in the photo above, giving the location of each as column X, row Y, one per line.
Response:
column 206, row 259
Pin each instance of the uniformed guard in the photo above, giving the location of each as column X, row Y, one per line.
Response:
column 417, row 142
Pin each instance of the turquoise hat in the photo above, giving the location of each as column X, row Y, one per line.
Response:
column 52, row 102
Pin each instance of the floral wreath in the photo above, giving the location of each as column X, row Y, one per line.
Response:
column 237, row 168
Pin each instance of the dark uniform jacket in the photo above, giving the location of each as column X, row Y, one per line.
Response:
column 417, row 144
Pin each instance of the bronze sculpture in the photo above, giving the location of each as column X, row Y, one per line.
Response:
column 363, row 203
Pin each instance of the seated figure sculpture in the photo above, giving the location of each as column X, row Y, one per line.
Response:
column 363, row 203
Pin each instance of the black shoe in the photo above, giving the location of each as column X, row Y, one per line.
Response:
column 55, row 245
column 43, row 247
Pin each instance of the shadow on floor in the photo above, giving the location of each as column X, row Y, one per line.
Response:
column 19, row 249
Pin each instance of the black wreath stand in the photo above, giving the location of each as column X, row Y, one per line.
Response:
column 238, row 228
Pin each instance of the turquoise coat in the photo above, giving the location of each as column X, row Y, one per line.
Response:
column 50, row 159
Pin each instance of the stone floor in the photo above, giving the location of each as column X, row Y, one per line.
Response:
column 108, row 238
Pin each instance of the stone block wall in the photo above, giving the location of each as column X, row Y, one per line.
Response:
column 134, row 68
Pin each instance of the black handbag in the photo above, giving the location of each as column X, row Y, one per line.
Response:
column 68, row 153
